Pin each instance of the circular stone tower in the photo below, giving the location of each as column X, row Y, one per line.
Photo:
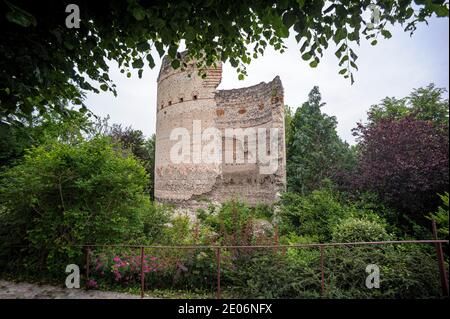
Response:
column 185, row 100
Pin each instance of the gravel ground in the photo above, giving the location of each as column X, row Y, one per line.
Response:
column 22, row 290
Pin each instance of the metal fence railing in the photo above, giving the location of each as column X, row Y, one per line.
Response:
column 146, row 260
column 208, row 268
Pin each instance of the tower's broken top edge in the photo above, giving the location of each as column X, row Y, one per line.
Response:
column 276, row 82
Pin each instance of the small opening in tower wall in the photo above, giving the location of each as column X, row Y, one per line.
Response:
column 195, row 97
column 170, row 102
column 181, row 99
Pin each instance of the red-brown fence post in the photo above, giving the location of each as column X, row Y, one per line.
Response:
column 218, row 272
column 322, row 271
column 88, row 254
column 441, row 263
column 142, row 272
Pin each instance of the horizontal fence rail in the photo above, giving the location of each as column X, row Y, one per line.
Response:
column 359, row 243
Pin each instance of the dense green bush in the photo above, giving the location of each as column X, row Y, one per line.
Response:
column 272, row 274
column 155, row 219
column 370, row 206
column 317, row 215
column 235, row 223
column 441, row 217
column 406, row 271
column 310, row 215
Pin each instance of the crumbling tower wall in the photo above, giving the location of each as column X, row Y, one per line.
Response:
column 184, row 97
column 257, row 107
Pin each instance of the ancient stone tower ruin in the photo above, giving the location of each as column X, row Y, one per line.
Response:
column 191, row 102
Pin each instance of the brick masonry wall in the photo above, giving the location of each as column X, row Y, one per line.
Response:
column 184, row 96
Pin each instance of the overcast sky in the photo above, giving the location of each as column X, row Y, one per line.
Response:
column 391, row 68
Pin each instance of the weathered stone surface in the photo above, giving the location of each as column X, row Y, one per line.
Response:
column 184, row 96
column 262, row 227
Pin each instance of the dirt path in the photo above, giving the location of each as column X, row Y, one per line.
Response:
column 15, row 290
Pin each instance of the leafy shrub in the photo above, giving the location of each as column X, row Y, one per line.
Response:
column 368, row 205
column 235, row 222
column 272, row 274
column 310, row 215
column 441, row 217
column 178, row 232
column 406, row 271
column 62, row 196
column 155, row 220
column 358, row 229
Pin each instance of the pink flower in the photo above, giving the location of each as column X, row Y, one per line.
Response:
column 117, row 275
column 99, row 265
